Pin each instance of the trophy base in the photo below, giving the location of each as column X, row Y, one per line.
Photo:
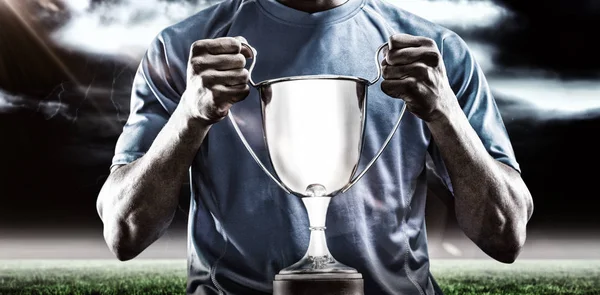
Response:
column 318, row 283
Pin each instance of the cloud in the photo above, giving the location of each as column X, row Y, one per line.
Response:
column 121, row 29
column 542, row 34
column 522, row 74
column 10, row 104
column 456, row 14
column 561, row 98
column 464, row 17
column 125, row 28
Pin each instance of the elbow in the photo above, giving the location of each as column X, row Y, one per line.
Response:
column 508, row 252
column 120, row 244
column 511, row 230
column 119, row 232
column 123, row 253
column 507, row 246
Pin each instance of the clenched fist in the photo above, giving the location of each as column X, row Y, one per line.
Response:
column 216, row 77
column 413, row 70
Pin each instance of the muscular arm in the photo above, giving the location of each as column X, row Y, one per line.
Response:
column 138, row 201
column 493, row 205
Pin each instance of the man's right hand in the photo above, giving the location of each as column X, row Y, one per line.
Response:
column 216, row 78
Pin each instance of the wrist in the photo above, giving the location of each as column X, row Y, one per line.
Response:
column 187, row 110
column 188, row 125
column 446, row 115
column 200, row 109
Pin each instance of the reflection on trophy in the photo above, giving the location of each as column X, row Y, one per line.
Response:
column 315, row 152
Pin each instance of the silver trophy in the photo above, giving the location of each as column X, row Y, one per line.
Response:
column 313, row 128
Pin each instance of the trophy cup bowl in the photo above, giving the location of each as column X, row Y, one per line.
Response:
column 313, row 130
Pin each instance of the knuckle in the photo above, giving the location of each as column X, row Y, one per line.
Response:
column 434, row 57
column 234, row 44
column 239, row 60
column 391, row 73
column 421, row 70
column 241, row 39
column 209, row 74
column 245, row 91
column 198, row 46
column 199, row 61
column 222, row 46
column 392, row 58
column 238, row 79
column 421, row 89
column 239, row 94
column 385, row 71
column 395, row 41
column 197, row 65
column 412, row 81
column 386, row 86
column 208, row 77
column 427, row 42
column 386, row 52
column 244, row 74
column 396, row 37
column 199, row 43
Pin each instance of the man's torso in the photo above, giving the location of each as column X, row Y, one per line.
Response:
column 243, row 228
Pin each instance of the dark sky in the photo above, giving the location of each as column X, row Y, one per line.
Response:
column 557, row 35
column 59, row 124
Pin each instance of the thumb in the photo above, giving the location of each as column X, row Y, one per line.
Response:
column 245, row 50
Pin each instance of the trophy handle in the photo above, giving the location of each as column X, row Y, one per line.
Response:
column 241, row 135
column 254, row 54
column 389, row 138
column 379, row 70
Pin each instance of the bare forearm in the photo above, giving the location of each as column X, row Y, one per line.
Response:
column 493, row 204
column 138, row 201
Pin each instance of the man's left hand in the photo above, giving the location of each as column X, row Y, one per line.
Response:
column 413, row 70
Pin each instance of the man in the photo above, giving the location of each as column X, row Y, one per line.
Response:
column 243, row 229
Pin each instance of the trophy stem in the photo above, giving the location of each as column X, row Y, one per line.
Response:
column 317, row 259
column 316, row 208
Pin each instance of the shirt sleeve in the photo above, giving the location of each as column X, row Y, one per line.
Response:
column 153, row 99
column 477, row 102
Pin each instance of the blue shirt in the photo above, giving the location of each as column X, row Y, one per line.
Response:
column 243, row 229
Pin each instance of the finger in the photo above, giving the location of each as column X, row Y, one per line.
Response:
column 386, row 51
column 212, row 78
column 427, row 55
column 399, row 41
column 220, row 62
column 244, row 50
column 416, row 70
column 400, row 88
column 241, row 39
column 230, row 94
column 225, row 45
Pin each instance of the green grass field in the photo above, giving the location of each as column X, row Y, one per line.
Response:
column 168, row 277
